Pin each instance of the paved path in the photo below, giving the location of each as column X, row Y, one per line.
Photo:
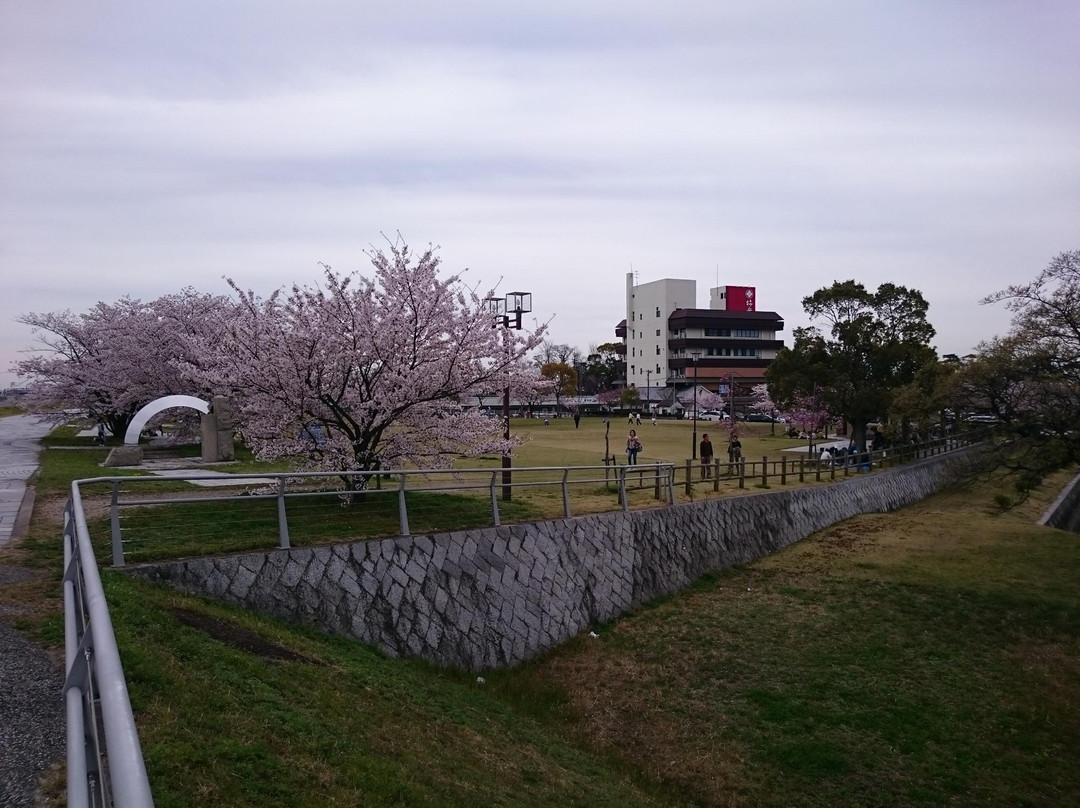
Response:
column 19, row 435
column 31, row 700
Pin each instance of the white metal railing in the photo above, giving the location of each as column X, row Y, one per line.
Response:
column 296, row 487
column 104, row 758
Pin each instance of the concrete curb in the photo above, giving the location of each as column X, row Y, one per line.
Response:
column 22, row 519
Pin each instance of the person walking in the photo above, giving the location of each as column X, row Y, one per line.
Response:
column 706, row 454
column 633, row 446
column 577, row 419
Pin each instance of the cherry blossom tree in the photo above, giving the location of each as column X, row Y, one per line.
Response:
column 380, row 364
column 115, row 358
column 760, row 400
column 609, row 398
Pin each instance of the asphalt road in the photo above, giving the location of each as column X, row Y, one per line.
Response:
column 31, row 697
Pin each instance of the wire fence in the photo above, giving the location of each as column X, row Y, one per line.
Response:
column 150, row 518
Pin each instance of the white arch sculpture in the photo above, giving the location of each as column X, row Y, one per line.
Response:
column 135, row 428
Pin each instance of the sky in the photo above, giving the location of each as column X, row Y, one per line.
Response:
column 549, row 147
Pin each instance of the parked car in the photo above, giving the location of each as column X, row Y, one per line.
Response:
column 712, row 415
column 758, row 418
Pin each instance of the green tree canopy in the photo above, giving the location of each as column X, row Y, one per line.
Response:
column 603, row 369
column 868, row 345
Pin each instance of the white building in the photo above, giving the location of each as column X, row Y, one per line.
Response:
column 669, row 342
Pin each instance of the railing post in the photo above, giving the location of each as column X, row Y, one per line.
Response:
column 742, row 472
column 114, row 525
column 671, row 483
column 817, row 471
column 656, row 482
column 494, row 499
column 832, row 470
column 403, row 512
column 802, row 470
column 716, row 474
column 282, row 518
column 765, row 471
column 783, row 470
column 565, row 494
column 622, row 488
column 689, row 478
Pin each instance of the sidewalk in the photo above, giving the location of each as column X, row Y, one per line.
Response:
column 31, row 698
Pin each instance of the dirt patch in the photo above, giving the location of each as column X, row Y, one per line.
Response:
column 241, row 638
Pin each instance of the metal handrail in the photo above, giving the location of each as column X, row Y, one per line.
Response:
column 661, row 476
column 105, row 764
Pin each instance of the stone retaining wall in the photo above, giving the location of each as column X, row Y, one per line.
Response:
column 496, row 596
column 1065, row 512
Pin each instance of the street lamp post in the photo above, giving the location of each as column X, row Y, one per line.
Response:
column 693, row 445
column 506, row 312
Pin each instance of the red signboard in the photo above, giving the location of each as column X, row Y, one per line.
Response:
column 741, row 298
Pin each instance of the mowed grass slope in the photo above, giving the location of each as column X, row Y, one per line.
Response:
column 927, row 657
column 922, row 658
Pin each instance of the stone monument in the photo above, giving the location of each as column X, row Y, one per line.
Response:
column 217, row 432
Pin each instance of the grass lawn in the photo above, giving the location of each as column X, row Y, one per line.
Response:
column 669, row 441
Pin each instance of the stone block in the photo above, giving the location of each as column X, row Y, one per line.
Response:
column 124, row 456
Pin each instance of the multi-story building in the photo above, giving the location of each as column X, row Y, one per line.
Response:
column 671, row 343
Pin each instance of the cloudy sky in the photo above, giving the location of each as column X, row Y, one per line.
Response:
column 783, row 145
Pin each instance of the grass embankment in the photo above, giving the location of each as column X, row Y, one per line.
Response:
column 920, row 658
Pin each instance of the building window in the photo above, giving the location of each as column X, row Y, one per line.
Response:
column 657, row 350
column 744, row 352
column 658, row 332
column 718, row 351
column 657, row 311
column 717, row 332
column 633, row 370
column 753, row 333
column 657, row 368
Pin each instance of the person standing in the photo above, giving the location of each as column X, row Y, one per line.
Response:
column 706, row 454
column 577, row 418
column 633, row 446
column 734, row 450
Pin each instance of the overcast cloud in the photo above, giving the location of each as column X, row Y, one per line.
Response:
column 149, row 146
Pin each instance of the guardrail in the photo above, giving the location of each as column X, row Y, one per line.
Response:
column 104, row 759
column 387, row 500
